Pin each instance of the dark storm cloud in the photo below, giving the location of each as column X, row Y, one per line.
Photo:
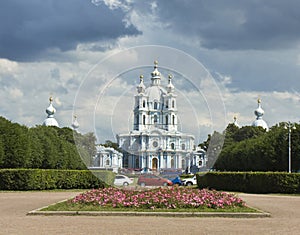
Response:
column 234, row 25
column 29, row 28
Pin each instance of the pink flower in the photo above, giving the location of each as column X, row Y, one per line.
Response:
column 175, row 197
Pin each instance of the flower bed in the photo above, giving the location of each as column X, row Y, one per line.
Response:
column 159, row 198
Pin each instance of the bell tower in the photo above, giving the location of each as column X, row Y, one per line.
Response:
column 170, row 111
column 141, row 107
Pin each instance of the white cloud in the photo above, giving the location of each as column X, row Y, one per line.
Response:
column 278, row 106
column 241, row 75
column 112, row 4
column 15, row 93
column 8, row 66
column 57, row 101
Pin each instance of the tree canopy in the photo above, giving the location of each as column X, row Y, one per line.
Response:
column 110, row 144
column 253, row 149
column 44, row 147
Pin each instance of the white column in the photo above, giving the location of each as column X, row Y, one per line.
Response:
column 179, row 162
column 149, row 162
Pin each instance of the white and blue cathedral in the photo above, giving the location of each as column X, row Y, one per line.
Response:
column 155, row 141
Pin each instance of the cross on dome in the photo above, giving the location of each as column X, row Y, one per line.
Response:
column 235, row 121
column 141, row 87
column 75, row 123
column 259, row 112
column 50, row 110
column 170, row 87
column 155, row 75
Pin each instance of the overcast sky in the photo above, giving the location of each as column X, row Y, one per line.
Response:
column 249, row 48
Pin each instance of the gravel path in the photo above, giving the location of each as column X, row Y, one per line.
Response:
column 285, row 218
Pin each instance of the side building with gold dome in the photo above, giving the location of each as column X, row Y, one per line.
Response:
column 50, row 120
column 259, row 112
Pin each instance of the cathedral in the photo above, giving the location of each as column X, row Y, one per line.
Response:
column 155, row 141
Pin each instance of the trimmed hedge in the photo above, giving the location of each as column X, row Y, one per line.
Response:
column 251, row 182
column 40, row 179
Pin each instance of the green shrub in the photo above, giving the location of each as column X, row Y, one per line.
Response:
column 184, row 176
column 40, row 179
column 251, row 182
column 105, row 176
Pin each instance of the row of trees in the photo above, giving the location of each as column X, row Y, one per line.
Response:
column 44, row 147
column 253, row 149
column 244, row 149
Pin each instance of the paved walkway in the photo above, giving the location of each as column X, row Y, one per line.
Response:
column 285, row 218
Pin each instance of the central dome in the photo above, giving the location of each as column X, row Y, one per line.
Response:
column 155, row 75
column 155, row 93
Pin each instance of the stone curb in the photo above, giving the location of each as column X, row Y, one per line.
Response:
column 259, row 214
column 162, row 214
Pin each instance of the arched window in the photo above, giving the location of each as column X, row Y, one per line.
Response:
column 154, row 163
column 101, row 162
column 155, row 105
column 137, row 162
column 97, row 161
column 173, row 120
column 167, row 120
column 137, row 122
column 183, row 146
column 173, row 103
column 144, row 120
column 144, row 103
column 183, row 166
column 107, row 162
column 172, row 146
column 155, row 118
column 172, row 162
column 167, row 104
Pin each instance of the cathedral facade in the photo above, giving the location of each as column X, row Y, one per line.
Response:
column 155, row 141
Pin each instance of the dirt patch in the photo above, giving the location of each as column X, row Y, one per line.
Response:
column 14, row 206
